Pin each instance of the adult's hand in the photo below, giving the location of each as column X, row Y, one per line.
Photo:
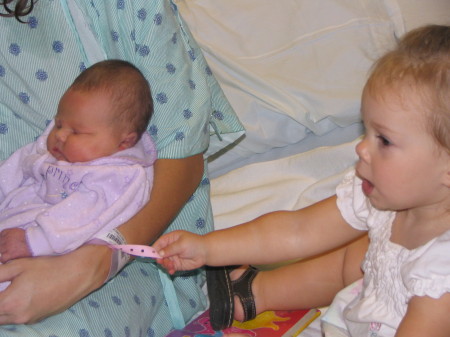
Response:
column 44, row 286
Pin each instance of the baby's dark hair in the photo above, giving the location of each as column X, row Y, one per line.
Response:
column 421, row 62
column 17, row 8
column 127, row 87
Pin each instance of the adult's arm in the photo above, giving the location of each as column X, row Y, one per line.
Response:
column 43, row 286
column 174, row 182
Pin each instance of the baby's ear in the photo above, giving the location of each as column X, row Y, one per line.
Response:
column 128, row 141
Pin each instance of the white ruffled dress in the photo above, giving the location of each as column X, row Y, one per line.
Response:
column 393, row 274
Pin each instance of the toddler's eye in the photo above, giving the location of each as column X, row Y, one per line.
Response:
column 384, row 141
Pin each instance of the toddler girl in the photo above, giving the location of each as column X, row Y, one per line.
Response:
column 399, row 192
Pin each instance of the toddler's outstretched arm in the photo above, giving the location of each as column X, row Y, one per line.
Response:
column 13, row 244
column 273, row 237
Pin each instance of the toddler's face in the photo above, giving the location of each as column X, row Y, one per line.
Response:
column 84, row 128
column 400, row 163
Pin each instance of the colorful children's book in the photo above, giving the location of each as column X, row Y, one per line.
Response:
column 266, row 324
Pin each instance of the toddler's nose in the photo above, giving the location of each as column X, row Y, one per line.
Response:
column 362, row 150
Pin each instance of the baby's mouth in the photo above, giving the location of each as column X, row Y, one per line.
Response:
column 57, row 154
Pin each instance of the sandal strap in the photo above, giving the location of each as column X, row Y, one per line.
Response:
column 242, row 288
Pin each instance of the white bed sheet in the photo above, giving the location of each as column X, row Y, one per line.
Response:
column 283, row 184
column 226, row 161
column 293, row 71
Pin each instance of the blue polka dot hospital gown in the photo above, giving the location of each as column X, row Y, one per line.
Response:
column 40, row 59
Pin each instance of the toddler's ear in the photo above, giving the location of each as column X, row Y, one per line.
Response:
column 128, row 141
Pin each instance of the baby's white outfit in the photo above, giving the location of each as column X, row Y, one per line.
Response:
column 375, row 306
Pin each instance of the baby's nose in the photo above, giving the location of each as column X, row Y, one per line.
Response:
column 61, row 135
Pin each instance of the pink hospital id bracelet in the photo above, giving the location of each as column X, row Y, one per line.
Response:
column 118, row 258
column 138, row 250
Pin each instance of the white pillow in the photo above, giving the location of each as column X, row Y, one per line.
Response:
column 290, row 67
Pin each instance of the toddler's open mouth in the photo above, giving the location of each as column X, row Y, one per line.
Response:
column 367, row 187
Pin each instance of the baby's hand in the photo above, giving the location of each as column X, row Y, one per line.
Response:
column 180, row 250
column 13, row 244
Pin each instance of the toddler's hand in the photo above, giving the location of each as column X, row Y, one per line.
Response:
column 180, row 250
column 13, row 244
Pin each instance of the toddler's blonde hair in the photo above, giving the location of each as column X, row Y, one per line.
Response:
column 421, row 61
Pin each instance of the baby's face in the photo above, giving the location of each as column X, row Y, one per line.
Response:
column 84, row 128
column 400, row 163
